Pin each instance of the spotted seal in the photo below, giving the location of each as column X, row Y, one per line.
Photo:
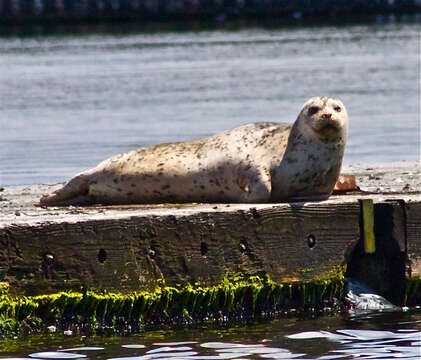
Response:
column 258, row 162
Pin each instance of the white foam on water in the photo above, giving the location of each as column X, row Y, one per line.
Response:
column 175, row 343
column 56, row 355
column 221, row 345
column 168, row 353
column 309, row 335
column 407, row 350
column 368, row 334
column 168, row 348
column 217, row 357
column 253, row 350
column 83, row 348
column 282, row 355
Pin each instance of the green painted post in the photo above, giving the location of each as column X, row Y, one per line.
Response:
column 367, row 215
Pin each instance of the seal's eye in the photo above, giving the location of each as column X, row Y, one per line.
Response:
column 337, row 108
column 312, row 110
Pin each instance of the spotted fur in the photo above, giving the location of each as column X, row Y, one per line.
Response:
column 258, row 162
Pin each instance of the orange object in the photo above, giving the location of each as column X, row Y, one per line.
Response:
column 345, row 183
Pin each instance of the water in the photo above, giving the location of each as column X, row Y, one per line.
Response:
column 375, row 336
column 69, row 101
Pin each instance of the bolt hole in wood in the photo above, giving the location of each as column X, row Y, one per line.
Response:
column 48, row 259
column 311, row 241
column 203, row 248
column 102, row 255
column 243, row 246
column 151, row 253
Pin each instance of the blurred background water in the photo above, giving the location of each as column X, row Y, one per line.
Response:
column 68, row 101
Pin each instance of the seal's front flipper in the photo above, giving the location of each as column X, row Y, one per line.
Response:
column 75, row 192
column 257, row 187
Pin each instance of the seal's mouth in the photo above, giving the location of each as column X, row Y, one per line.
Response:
column 328, row 129
column 327, row 126
column 331, row 126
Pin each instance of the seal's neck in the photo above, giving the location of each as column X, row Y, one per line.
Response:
column 304, row 147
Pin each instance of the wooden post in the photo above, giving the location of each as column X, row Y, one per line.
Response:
column 367, row 216
column 413, row 230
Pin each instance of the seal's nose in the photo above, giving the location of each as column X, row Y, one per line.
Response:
column 327, row 116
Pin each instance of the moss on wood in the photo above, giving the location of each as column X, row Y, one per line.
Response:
column 238, row 298
column 413, row 291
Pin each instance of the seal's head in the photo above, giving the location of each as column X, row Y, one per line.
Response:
column 325, row 118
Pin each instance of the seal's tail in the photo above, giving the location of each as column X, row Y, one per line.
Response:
column 73, row 192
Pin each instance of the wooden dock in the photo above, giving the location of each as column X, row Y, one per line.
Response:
column 127, row 248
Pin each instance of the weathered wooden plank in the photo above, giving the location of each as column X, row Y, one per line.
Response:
column 130, row 247
column 413, row 235
column 294, row 242
column 399, row 231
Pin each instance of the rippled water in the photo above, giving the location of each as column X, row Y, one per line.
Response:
column 376, row 336
column 69, row 101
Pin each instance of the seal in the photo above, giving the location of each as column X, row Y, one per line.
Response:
column 258, row 162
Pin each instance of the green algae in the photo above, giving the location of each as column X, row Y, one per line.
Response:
column 237, row 298
column 412, row 291
column 4, row 287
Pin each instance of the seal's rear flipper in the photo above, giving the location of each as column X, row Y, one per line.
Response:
column 75, row 192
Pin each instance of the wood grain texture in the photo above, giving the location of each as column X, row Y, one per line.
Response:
column 413, row 235
column 290, row 242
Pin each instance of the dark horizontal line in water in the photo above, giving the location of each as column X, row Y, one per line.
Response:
column 130, row 24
